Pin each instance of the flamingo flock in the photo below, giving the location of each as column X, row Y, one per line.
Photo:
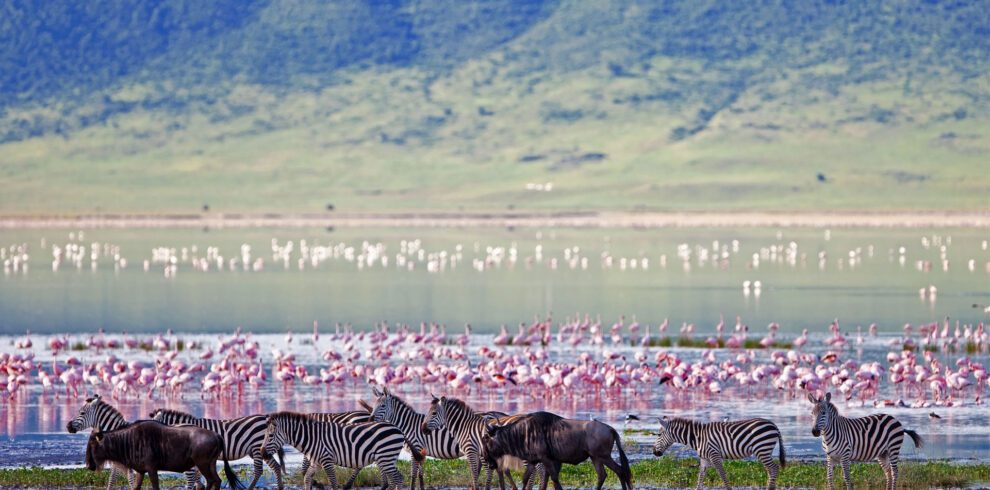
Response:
column 929, row 365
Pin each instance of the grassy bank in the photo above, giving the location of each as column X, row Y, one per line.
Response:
column 665, row 472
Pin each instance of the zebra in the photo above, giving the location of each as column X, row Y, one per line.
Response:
column 328, row 444
column 467, row 427
column 101, row 417
column 878, row 436
column 717, row 441
column 241, row 437
column 345, row 418
column 439, row 444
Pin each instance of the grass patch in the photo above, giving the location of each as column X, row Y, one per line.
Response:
column 662, row 472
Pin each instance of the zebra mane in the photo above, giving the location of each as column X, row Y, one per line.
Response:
column 176, row 413
column 292, row 417
column 99, row 401
column 459, row 405
column 402, row 403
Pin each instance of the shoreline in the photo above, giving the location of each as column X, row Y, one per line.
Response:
column 577, row 219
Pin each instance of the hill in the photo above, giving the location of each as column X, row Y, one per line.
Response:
column 467, row 105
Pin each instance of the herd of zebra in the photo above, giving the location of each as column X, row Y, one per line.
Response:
column 539, row 442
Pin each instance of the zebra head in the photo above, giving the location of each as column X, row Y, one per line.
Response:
column 385, row 406
column 88, row 415
column 436, row 418
column 664, row 438
column 274, row 436
column 822, row 412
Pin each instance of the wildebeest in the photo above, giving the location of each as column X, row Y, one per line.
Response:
column 543, row 437
column 148, row 446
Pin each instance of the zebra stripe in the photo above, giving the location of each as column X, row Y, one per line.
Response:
column 718, row 441
column 101, row 417
column 439, row 444
column 242, row 437
column 353, row 417
column 328, row 444
column 467, row 426
column 874, row 437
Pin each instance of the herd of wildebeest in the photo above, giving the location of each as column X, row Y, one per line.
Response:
column 538, row 442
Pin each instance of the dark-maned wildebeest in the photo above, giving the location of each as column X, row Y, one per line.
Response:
column 543, row 437
column 149, row 447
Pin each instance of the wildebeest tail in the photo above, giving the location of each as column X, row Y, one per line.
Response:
column 229, row 472
column 918, row 441
column 780, row 442
column 623, row 460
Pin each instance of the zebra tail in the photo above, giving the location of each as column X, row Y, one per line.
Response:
column 232, row 479
column 918, row 441
column 623, row 460
column 783, row 458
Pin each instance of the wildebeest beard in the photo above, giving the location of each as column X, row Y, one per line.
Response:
column 91, row 462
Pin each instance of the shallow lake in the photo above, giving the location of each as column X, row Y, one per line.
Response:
column 274, row 280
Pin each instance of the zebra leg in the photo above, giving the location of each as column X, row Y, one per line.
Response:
column 845, row 473
column 277, row 469
column 893, row 472
column 701, row 473
column 138, row 481
column 308, row 477
column 331, row 472
column 717, row 463
column 391, row 477
column 830, row 472
column 526, row 476
column 131, row 476
column 600, row 469
column 113, row 476
column 259, row 467
column 885, row 466
column 772, row 470
column 353, row 478
column 192, row 479
column 474, row 461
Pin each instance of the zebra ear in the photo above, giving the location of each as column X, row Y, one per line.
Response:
column 376, row 392
column 812, row 399
column 386, row 391
column 664, row 422
column 828, row 396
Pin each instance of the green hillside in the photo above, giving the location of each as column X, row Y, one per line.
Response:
column 288, row 106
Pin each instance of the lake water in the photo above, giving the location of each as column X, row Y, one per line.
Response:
column 487, row 278
column 808, row 277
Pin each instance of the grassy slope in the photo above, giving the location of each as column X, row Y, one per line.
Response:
column 707, row 126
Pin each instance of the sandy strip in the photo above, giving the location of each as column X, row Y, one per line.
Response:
column 907, row 219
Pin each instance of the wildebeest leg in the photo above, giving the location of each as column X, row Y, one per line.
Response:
column 153, row 475
column 612, row 465
column 209, row 471
column 138, row 481
column 600, row 470
column 554, row 469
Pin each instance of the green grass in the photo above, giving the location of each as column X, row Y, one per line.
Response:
column 662, row 472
